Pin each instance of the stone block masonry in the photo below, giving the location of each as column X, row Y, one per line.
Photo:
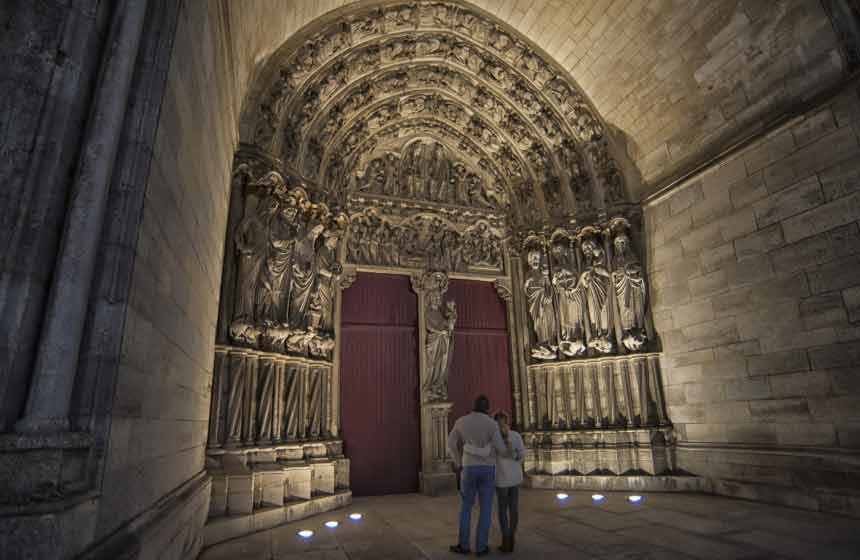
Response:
column 757, row 302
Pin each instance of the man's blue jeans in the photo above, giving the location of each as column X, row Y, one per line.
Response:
column 480, row 480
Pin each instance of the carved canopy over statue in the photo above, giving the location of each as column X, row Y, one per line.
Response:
column 585, row 292
column 286, row 267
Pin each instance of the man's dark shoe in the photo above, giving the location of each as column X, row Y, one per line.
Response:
column 482, row 552
column 512, row 541
column 457, row 549
column 506, row 544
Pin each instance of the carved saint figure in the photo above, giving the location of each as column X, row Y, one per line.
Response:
column 571, row 307
column 275, row 281
column 630, row 291
column 438, row 346
column 252, row 239
column 595, row 281
column 327, row 271
column 538, row 289
column 302, row 278
column 440, row 175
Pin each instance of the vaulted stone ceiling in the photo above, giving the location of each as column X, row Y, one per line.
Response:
column 674, row 81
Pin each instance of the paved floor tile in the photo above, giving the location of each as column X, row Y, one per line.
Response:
column 664, row 527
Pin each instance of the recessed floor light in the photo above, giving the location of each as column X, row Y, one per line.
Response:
column 635, row 498
column 332, row 524
column 306, row 533
column 561, row 496
column 598, row 497
column 356, row 516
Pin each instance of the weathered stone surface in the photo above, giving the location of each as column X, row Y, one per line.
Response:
column 840, row 180
column 835, row 275
column 793, row 200
column 763, row 241
column 748, row 191
column 803, row 384
column 823, row 310
column 851, row 297
column 718, row 257
column 813, row 251
column 781, row 410
column 839, row 212
column 835, row 356
column 804, row 433
column 781, row 362
column 748, row 389
column 813, row 127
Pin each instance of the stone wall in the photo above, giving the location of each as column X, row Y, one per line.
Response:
column 755, row 271
column 161, row 399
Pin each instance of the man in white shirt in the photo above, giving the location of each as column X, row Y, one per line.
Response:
column 509, row 476
column 472, row 443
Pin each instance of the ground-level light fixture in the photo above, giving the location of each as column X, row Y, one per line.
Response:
column 356, row 516
column 305, row 534
column 598, row 497
column 332, row 524
column 635, row 498
column 561, row 496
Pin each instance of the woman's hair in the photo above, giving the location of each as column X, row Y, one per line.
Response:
column 501, row 414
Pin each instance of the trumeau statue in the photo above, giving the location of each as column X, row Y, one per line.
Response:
column 439, row 343
column 539, row 296
column 630, row 290
column 283, row 292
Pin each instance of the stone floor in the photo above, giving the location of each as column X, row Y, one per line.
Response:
column 411, row 526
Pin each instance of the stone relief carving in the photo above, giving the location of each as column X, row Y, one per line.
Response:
column 426, row 170
column 439, row 335
column 423, row 240
column 585, row 291
column 285, row 253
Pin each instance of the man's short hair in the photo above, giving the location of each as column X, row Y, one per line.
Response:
column 482, row 404
column 501, row 414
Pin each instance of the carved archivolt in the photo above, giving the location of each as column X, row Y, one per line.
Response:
column 323, row 101
column 585, row 292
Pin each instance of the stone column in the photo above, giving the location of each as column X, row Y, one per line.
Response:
column 437, row 475
column 344, row 281
column 53, row 380
column 504, row 289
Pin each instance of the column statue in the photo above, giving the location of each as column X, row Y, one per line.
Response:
column 538, row 289
column 595, row 281
column 630, row 290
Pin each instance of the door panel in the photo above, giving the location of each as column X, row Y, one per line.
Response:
column 379, row 385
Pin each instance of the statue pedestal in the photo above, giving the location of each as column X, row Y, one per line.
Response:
column 437, row 475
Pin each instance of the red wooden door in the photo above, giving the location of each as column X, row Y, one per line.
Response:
column 480, row 364
column 379, row 385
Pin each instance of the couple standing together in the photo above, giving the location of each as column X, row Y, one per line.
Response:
column 491, row 456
